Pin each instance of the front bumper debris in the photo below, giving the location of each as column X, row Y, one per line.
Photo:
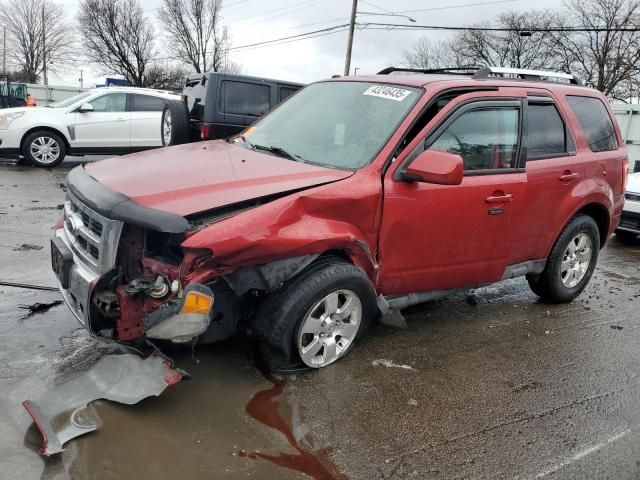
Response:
column 62, row 413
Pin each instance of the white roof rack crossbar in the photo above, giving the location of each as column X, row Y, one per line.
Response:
column 522, row 73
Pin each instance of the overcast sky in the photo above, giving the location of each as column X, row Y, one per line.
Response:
column 252, row 21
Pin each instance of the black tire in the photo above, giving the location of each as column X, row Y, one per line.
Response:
column 44, row 137
column 549, row 285
column 180, row 127
column 626, row 237
column 281, row 314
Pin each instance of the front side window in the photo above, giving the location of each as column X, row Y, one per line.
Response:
column 338, row 124
column 240, row 98
column 286, row 92
column 486, row 138
column 67, row 102
column 595, row 122
column 112, row 102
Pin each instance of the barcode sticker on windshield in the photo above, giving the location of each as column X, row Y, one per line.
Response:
column 390, row 93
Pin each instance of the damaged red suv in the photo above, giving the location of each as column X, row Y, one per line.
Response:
column 355, row 198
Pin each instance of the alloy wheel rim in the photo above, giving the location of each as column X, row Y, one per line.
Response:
column 576, row 260
column 329, row 327
column 166, row 128
column 45, row 150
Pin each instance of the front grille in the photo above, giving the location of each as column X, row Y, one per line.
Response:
column 630, row 220
column 93, row 237
column 634, row 197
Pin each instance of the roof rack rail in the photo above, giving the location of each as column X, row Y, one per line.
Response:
column 449, row 70
column 538, row 75
column 486, row 72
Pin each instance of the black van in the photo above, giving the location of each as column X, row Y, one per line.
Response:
column 222, row 104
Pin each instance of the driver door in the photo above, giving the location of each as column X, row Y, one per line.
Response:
column 107, row 127
column 436, row 237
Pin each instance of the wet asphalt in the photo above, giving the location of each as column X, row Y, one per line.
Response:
column 489, row 385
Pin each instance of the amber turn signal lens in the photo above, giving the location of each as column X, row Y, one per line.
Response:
column 195, row 302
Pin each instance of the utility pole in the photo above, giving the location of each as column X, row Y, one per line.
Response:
column 4, row 50
column 81, row 80
column 352, row 27
column 44, row 49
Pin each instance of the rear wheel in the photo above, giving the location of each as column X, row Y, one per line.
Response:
column 44, row 148
column 318, row 315
column 174, row 125
column 571, row 263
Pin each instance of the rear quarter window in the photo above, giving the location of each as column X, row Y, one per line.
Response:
column 242, row 98
column 595, row 122
column 147, row 103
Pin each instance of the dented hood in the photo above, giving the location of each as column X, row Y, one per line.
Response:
column 196, row 177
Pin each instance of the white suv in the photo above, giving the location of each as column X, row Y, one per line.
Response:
column 112, row 121
column 629, row 227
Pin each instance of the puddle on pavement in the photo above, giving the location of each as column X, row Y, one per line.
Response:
column 229, row 421
column 264, row 406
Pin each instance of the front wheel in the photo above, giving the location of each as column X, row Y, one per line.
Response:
column 317, row 316
column 44, row 149
column 571, row 262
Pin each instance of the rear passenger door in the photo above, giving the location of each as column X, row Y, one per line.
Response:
column 554, row 176
column 241, row 103
column 146, row 117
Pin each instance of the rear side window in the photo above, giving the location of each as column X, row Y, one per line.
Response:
column 240, row 98
column 286, row 92
column 595, row 122
column 546, row 132
column 147, row 103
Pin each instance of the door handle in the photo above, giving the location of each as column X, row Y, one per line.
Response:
column 569, row 176
column 502, row 198
column 120, row 119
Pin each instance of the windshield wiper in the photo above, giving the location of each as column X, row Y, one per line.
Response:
column 245, row 141
column 281, row 152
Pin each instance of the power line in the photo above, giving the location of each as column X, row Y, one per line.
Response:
column 478, row 4
column 401, row 26
column 266, row 12
column 376, row 6
column 328, row 29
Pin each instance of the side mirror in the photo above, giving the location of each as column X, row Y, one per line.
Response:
column 434, row 166
column 85, row 107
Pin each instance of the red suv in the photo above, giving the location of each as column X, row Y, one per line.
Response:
column 356, row 197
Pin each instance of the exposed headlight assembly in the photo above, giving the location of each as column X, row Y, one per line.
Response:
column 7, row 118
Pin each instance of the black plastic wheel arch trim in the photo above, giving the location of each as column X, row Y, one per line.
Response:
column 117, row 206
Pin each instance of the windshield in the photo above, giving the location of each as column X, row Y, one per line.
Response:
column 67, row 102
column 336, row 124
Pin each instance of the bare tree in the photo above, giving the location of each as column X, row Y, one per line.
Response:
column 426, row 53
column 522, row 46
column 608, row 60
column 117, row 36
column 194, row 33
column 23, row 20
column 169, row 77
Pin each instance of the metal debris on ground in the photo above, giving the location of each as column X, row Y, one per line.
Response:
column 29, row 286
column 38, row 308
column 27, row 246
column 62, row 413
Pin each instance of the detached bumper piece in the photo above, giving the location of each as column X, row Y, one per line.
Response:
column 63, row 413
